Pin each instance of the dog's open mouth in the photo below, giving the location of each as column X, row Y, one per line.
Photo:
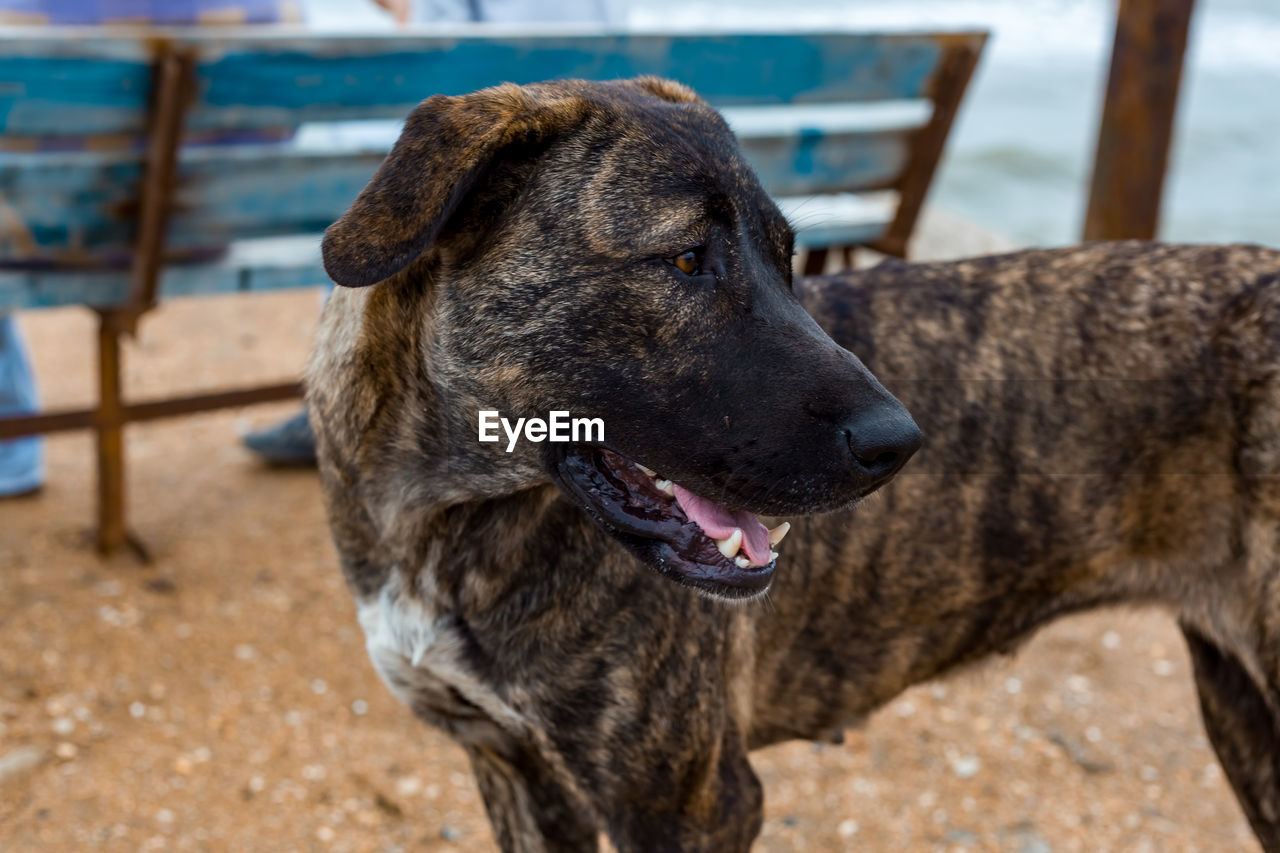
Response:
column 685, row 536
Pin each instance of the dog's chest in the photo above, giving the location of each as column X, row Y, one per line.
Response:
column 418, row 651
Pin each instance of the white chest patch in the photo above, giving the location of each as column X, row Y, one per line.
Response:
column 417, row 652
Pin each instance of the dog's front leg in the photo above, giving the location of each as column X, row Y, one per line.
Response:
column 714, row 806
column 529, row 810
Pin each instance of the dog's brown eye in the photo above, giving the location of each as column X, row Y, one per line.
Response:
column 688, row 263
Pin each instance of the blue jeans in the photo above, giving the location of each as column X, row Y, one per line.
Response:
column 21, row 459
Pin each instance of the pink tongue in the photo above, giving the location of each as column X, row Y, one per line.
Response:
column 718, row 523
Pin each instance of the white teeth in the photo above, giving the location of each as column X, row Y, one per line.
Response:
column 648, row 471
column 665, row 486
column 729, row 546
column 773, row 555
column 776, row 534
column 743, row 562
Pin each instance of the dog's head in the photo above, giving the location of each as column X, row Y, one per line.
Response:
column 602, row 249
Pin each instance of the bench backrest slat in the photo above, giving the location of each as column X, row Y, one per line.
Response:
column 81, row 83
column 69, row 203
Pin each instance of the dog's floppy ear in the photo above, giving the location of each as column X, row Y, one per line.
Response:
column 447, row 145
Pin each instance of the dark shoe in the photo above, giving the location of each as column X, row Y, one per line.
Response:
column 290, row 442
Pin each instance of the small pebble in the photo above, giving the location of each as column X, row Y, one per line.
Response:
column 19, row 762
column 448, row 833
column 966, row 766
column 1034, row 844
column 161, row 585
column 848, row 828
column 359, row 707
column 66, row 750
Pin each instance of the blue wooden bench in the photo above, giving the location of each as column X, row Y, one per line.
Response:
column 845, row 129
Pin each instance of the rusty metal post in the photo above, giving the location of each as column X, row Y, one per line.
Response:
column 174, row 76
column 950, row 83
column 110, row 437
column 1137, row 120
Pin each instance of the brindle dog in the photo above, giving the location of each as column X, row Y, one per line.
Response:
column 1103, row 424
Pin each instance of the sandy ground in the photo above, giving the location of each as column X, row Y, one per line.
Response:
column 220, row 699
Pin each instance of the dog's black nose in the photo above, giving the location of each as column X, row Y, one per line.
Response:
column 882, row 444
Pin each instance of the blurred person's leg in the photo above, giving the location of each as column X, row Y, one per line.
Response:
column 21, row 459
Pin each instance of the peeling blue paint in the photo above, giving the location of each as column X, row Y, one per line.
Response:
column 75, row 90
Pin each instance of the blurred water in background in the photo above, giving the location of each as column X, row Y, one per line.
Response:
column 1021, row 151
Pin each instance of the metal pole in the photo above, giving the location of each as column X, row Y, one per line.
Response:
column 1137, row 120
column 110, row 434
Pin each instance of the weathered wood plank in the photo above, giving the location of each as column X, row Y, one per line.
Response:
column 263, row 265
column 251, row 266
column 79, row 82
column 77, row 202
column 69, row 204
